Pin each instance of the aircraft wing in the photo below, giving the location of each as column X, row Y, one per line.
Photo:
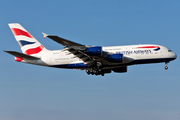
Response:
column 62, row 41
column 74, row 48
column 17, row 54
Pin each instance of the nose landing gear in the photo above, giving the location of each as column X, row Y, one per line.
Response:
column 166, row 67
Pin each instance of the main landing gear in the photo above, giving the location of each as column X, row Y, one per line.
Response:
column 94, row 72
column 166, row 67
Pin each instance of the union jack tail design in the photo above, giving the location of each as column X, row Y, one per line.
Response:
column 29, row 45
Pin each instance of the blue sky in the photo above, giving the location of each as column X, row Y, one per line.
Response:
column 29, row 92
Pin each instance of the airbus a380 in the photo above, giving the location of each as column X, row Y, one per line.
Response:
column 96, row 60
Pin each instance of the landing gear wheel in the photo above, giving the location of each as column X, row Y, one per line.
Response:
column 88, row 72
column 94, row 71
column 102, row 74
column 166, row 67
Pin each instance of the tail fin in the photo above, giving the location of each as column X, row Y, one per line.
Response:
column 29, row 45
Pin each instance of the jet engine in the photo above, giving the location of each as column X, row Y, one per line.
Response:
column 94, row 51
column 115, row 58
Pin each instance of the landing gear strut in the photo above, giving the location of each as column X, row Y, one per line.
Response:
column 96, row 70
column 166, row 67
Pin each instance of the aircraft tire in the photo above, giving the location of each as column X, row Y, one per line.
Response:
column 166, row 67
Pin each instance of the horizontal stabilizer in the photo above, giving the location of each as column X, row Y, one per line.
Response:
column 17, row 54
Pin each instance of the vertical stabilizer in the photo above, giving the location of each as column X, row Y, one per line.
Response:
column 29, row 45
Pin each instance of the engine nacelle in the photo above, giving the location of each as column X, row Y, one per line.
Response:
column 106, row 71
column 94, row 51
column 115, row 58
column 120, row 70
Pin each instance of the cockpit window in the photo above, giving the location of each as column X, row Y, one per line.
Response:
column 169, row 51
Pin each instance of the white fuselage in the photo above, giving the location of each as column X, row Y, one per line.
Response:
column 135, row 54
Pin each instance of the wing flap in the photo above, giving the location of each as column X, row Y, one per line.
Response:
column 17, row 54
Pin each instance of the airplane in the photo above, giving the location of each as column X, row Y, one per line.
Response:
column 96, row 60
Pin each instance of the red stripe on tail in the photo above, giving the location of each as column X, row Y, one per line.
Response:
column 17, row 32
column 34, row 50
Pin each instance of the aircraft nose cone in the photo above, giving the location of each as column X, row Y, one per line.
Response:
column 174, row 56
